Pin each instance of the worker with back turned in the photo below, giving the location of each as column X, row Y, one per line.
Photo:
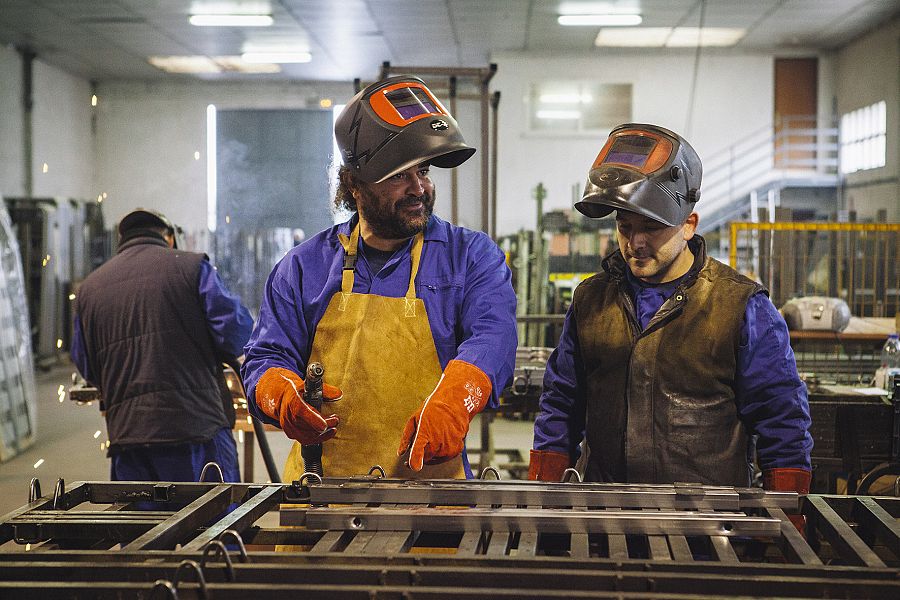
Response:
column 412, row 318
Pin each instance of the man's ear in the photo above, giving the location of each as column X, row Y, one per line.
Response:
column 690, row 226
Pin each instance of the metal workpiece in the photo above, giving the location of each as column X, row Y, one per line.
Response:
column 372, row 537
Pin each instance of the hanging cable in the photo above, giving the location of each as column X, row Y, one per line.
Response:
column 690, row 112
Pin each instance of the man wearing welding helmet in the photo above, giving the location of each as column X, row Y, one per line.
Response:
column 412, row 318
column 669, row 360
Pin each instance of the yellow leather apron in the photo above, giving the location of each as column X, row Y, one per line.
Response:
column 379, row 351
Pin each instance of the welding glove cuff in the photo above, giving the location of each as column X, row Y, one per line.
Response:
column 436, row 433
column 547, row 465
column 279, row 394
column 789, row 480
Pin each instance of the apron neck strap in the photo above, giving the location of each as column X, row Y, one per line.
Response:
column 350, row 247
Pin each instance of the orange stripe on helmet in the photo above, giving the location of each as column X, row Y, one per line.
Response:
column 387, row 112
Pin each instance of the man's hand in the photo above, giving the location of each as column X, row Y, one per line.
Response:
column 279, row 394
column 547, row 465
column 789, row 480
column 437, row 432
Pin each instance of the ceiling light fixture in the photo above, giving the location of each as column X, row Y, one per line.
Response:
column 233, row 20
column 608, row 20
column 276, row 56
column 558, row 115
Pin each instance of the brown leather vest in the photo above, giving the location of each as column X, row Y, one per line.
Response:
column 660, row 402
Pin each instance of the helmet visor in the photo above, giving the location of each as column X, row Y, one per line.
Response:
column 403, row 103
column 642, row 151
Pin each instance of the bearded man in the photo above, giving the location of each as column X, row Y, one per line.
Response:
column 412, row 318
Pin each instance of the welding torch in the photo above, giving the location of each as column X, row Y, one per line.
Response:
column 312, row 395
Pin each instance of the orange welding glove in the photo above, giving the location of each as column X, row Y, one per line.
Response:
column 437, row 432
column 279, row 394
column 789, row 480
column 547, row 465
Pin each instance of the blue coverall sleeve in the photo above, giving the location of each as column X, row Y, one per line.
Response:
column 78, row 353
column 280, row 339
column 487, row 321
column 771, row 399
column 559, row 425
column 228, row 320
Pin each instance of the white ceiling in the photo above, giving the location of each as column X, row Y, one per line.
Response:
column 111, row 39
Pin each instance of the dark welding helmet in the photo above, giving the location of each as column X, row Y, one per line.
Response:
column 140, row 220
column 646, row 170
column 396, row 124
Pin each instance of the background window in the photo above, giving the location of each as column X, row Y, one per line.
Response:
column 863, row 138
column 578, row 106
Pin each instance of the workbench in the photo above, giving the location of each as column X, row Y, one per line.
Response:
column 369, row 537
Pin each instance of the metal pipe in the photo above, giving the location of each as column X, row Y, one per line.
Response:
column 454, row 173
column 495, row 102
column 28, row 56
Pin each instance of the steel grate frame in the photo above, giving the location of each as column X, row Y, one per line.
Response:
column 370, row 537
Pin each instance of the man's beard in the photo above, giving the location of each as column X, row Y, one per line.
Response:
column 388, row 222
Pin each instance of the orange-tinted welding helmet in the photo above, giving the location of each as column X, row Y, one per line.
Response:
column 395, row 124
column 643, row 169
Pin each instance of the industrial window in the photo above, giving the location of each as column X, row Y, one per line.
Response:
column 573, row 106
column 863, row 138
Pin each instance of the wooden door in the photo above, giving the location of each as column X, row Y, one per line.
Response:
column 796, row 95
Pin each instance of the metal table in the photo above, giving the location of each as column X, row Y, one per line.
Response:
column 369, row 537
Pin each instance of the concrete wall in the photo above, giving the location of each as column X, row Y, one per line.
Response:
column 868, row 71
column 61, row 131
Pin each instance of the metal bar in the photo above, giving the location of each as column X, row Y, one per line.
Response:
column 391, row 542
column 839, row 534
column 816, row 226
column 658, row 547
column 240, row 518
column 532, row 493
column 528, row 541
column 792, row 544
column 326, row 542
column 878, row 523
column 722, row 549
column 359, row 542
column 681, row 551
column 470, row 544
column 179, row 526
column 546, row 520
column 498, row 545
column 618, row 546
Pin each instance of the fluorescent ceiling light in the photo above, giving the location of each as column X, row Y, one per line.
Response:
column 276, row 56
column 608, row 20
column 198, row 65
column 558, row 115
column 232, row 20
column 708, row 36
column 679, row 37
column 639, row 37
column 565, row 99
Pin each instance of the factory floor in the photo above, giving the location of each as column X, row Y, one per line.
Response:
column 71, row 438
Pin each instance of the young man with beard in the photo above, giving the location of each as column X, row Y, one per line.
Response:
column 412, row 318
column 669, row 360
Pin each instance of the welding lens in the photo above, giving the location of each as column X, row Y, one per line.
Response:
column 645, row 152
column 403, row 103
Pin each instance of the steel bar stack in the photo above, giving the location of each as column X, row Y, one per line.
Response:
column 371, row 537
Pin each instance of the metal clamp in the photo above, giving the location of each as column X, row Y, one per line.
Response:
column 191, row 565
column 240, row 542
column 566, row 476
column 167, row 587
column 220, row 550
column 217, row 467
column 34, row 490
column 58, row 493
column 490, row 469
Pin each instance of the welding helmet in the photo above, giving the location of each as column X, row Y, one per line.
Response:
column 646, row 170
column 396, row 124
column 140, row 220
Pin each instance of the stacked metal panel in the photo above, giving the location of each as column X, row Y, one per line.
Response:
column 18, row 410
column 369, row 537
